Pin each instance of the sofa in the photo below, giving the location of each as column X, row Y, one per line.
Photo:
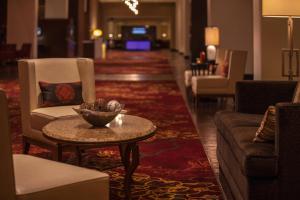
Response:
column 258, row 171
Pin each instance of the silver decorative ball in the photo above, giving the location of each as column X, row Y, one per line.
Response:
column 113, row 105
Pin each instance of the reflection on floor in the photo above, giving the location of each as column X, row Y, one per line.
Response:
column 133, row 77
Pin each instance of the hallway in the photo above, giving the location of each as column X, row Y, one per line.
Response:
column 173, row 163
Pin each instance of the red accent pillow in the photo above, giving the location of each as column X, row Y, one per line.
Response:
column 225, row 69
column 61, row 94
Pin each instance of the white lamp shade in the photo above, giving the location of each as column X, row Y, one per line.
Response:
column 281, row 8
column 212, row 36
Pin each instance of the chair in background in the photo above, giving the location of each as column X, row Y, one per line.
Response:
column 220, row 85
column 35, row 117
column 188, row 74
column 25, row 177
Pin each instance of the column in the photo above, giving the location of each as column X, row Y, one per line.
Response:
column 22, row 17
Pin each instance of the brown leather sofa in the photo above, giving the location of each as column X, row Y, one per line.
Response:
column 257, row 171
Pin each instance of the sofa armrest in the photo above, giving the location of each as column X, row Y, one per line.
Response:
column 255, row 96
column 287, row 147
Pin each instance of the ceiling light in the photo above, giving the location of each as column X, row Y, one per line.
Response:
column 132, row 5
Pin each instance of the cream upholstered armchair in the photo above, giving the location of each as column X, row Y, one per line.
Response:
column 25, row 177
column 220, row 85
column 52, row 70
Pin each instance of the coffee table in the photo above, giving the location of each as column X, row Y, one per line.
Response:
column 125, row 131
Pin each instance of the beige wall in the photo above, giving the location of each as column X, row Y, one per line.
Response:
column 56, row 9
column 22, row 23
column 183, row 23
column 235, row 19
column 274, row 38
column 257, row 50
column 93, row 14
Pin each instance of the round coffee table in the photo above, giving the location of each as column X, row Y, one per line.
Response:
column 125, row 131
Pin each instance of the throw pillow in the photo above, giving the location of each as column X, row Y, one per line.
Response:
column 225, row 65
column 296, row 98
column 225, row 68
column 266, row 131
column 61, row 94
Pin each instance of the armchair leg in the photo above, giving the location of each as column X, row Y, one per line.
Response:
column 26, row 146
column 57, row 153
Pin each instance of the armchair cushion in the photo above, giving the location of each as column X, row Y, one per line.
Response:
column 42, row 116
column 60, row 94
column 212, row 81
column 38, row 178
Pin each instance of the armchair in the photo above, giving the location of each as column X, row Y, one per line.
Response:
column 53, row 70
column 25, row 177
column 188, row 74
column 218, row 85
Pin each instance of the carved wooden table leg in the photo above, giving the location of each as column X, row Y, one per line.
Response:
column 130, row 156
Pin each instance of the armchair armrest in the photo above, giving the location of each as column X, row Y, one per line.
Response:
column 255, row 96
column 287, row 148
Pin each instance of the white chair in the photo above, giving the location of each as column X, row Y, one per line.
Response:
column 25, row 177
column 188, row 74
column 52, row 70
column 219, row 85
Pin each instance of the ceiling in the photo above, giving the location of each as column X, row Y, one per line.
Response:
column 142, row 1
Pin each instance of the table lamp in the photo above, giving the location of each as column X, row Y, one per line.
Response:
column 285, row 9
column 212, row 39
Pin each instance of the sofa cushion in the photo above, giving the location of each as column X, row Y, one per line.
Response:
column 42, row 116
column 255, row 159
column 229, row 119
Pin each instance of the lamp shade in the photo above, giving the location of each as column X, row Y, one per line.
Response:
column 281, row 8
column 212, row 36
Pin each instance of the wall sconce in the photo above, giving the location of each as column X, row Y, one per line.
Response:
column 97, row 33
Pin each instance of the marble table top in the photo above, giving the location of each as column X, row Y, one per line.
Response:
column 124, row 128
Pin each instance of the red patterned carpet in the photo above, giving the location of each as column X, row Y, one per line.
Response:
column 134, row 62
column 173, row 163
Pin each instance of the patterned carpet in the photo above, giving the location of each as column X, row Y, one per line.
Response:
column 122, row 62
column 173, row 163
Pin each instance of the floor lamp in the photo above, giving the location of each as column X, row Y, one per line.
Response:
column 285, row 9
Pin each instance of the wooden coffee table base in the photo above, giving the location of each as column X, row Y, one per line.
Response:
column 125, row 131
column 130, row 156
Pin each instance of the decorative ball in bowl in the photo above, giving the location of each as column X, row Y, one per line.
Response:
column 101, row 112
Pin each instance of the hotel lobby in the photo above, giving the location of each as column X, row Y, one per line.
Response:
column 149, row 99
